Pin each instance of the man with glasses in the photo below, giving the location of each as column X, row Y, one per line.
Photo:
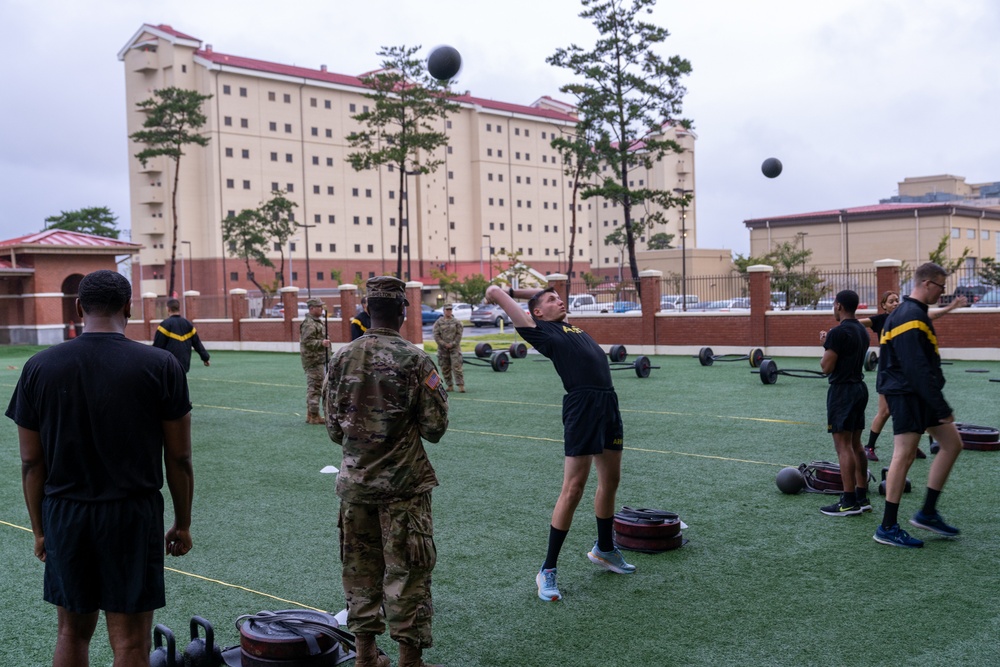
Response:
column 910, row 377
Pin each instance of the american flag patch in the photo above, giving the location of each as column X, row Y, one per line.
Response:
column 433, row 380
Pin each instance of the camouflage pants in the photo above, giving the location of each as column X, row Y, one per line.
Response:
column 450, row 362
column 314, row 389
column 388, row 553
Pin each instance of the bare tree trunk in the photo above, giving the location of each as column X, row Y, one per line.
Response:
column 173, row 214
column 399, row 246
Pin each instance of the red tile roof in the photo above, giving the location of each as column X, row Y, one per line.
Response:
column 167, row 29
column 64, row 238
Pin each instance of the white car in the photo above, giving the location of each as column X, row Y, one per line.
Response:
column 583, row 303
column 461, row 311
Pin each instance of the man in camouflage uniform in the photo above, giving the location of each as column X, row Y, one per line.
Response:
column 313, row 346
column 383, row 395
column 448, row 336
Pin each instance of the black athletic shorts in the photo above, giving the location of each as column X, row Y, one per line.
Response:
column 845, row 407
column 106, row 555
column 591, row 422
column 910, row 413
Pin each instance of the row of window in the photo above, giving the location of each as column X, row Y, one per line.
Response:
column 517, row 131
column 272, row 96
column 956, row 233
column 234, row 276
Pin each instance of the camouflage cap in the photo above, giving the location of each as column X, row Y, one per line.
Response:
column 386, row 287
column 447, row 306
column 313, row 303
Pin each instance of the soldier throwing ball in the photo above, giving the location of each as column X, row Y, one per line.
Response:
column 382, row 396
column 448, row 336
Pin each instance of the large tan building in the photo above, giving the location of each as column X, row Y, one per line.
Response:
column 282, row 127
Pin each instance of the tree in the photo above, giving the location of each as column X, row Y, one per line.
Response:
column 660, row 241
column 96, row 220
column 276, row 224
column 626, row 93
column 471, row 289
column 400, row 131
column 580, row 165
column 511, row 270
column 789, row 276
column 590, row 280
column 940, row 256
column 173, row 121
column 989, row 272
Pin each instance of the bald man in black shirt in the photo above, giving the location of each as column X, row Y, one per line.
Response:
column 592, row 425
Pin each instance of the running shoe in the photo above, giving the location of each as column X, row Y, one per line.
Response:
column 610, row 560
column 934, row 523
column 920, row 454
column 547, row 588
column 870, row 454
column 840, row 509
column 896, row 537
column 865, row 504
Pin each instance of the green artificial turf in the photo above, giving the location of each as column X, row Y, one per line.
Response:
column 764, row 580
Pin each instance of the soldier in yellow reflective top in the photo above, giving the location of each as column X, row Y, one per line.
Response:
column 448, row 336
column 382, row 396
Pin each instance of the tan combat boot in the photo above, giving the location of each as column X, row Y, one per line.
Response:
column 461, row 388
column 409, row 656
column 368, row 655
column 315, row 418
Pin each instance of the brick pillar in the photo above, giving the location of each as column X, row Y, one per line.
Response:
column 886, row 278
column 148, row 311
column 191, row 304
column 413, row 326
column 650, row 284
column 239, row 307
column 760, row 302
column 290, row 300
column 560, row 281
column 348, row 304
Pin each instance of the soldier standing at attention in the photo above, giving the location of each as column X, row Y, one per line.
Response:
column 448, row 336
column 382, row 396
column 313, row 346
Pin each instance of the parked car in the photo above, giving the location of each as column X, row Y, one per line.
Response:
column 678, row 301
column 489, row 314
column 581, row 303
column 625, row 306
column 989, row 299
column 724, row 305
column 428, row 315
column 973, row 293
column 278, row 310
column 461, row 311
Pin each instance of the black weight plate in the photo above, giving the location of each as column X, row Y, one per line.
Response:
column 981, row 446
column 617, row 353
column 973, row 433
column 649, row 546
column 705, row 356
column 756, row 356
column 642, row 366
column 768, row 371
column 518, row 350
column 483, row 350
column 646, row 530
column 871, row 360
column 499, row 362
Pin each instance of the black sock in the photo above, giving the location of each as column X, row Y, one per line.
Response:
column 930, row 501
column 605, row 541
column 556, row 539
column 848, row 499
column 872, row 437
column 891, row 516
column 861, row 493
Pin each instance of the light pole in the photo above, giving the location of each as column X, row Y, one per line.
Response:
column 489, row 239
column 183, row 300
column 684, row 193
column 190, row 266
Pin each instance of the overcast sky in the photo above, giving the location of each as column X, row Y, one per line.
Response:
column 852, row 96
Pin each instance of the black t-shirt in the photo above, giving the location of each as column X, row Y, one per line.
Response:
column 579, row 361
column 850, row 341
column 98, row 402
column 878, row 323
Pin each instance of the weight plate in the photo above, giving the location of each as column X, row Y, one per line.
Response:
column 650, row 545
column 617, row 353
column 518, row 350
column 642, row 366
column 981, row 446
column 483, row 350
column 973, row 433
column 871, row 360
column 768, row 371
column 646, row 530
column 756, row 356
column 499, row 362
column 705, row 356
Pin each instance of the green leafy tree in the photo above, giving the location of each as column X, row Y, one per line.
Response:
column 940, row 256
column 246, row 238
column 96, row 220
column 590, row 280
column 472, row 289
column 402, row 126
column 625, row 92
column 580, row 165
column 336, row 275
column 512, row 271
column 276, row 222
column 660, row 241
column 989, row 272
column 788, row 259
column 173, row 121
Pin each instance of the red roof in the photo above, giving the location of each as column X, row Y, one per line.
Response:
column 167, row 29
column 64, row 238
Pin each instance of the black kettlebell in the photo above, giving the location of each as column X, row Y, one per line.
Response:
column 164, row 656
column 202, row 652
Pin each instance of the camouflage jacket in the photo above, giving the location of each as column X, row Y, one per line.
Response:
column 383, row 395
column 311, row 336
column 447, row 331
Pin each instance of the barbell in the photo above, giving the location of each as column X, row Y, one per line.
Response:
column 769, row 372
column 707, row 358
column 516, row 350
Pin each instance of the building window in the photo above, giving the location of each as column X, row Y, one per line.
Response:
column 354, row 192
column 352, row 108
column 230, row 183
column 326, row 104
column 329, row 162
column 985, row 235
column 246, row 185
column 318, row 218
column 489, row 128
column 357, row 219
column 314, row 131
column 527, row 133
column 451, row 200
column 491, row 201
column 230, row 213
column 527, row 180
column 288, row 98
column 277, row 246
column 227, row 121
column 451, row 225
column 316, row 192
column 517, row 155
column 970, row 233
column 543, row 134
column 489, row 177
column 246, row 153
column 371, row 248
column 519, row 203
column 316, row 160
column 329, row 189
column 319, row 274
column 331, row 219
column 517, row 179
column 272, row 126
column 368, row 193
column 368, row 220
column 489, row 152
column 288, row 157
column 449, row 147
column 312, row 101
column 544, row 158
column 357, row 247
column 956, row 233
column 451, row 175
column 392, row 223
column 447, row 124
column 500, row 201
column 499, row 153
column 529, row 203
column 492, row 226
column 274, row 186
column 270, row 96
column 244, row 122
column 226, row 90
column 520, row 227
column 545, row 205
column 229, row 152
column 289, row 187
column 243, row 92
column 329, row 133
column 333, row 247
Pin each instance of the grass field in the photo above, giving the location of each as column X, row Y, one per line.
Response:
column 765, row 579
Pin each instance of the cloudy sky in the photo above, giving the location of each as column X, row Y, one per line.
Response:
column 852, row 96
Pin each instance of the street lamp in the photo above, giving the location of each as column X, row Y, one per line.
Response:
column 190, row 266
column 490, row 240
column 684, row 193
